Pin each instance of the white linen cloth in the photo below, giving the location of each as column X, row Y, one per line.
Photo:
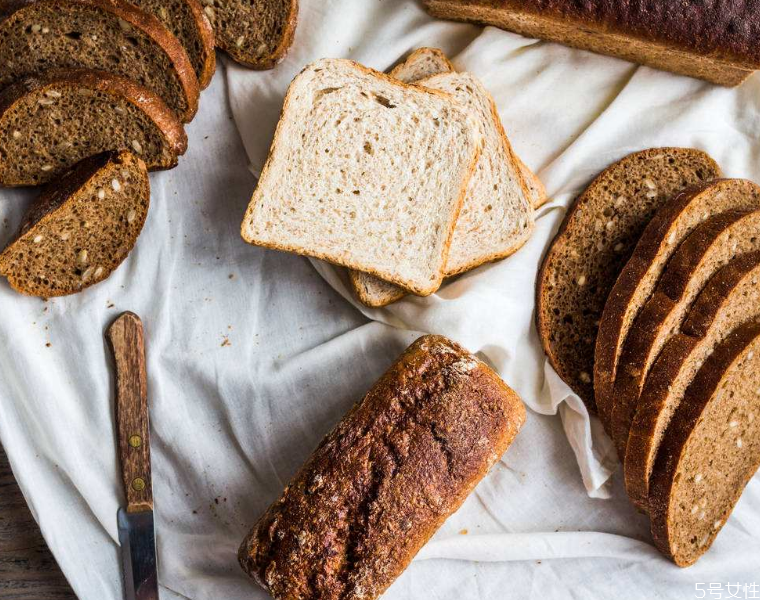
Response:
column 253, row 357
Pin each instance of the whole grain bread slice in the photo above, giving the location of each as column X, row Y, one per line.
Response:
column 709, row 248
column 81, row 228
column 593, row 244
column 50, row 123
column 365, row 172
column 710, row 450
column 637, row 281
column 731, row 298
column 105, row 35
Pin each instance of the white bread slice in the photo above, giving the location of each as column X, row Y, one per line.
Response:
column 497, row 215
column 365, row 172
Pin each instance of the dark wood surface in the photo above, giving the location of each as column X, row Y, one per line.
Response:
column 27, row 569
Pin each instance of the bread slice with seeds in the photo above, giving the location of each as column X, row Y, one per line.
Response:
column 731, row 298
column 710, row 451
column 343, row 184
column 709, row 248
column 106, row 35
column 593, row 244
column 50, row 123
column 638, row 279
column 81, row 228
column 255, row 33
column 189, row 24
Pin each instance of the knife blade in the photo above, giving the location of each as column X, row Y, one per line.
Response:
column 135, row 521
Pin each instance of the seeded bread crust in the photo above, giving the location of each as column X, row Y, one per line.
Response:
column 18, row 13
column 81, row 79
column 386, row 478
column 637, row 281
column 721, row 307
column 677, row 472
column 593, row 244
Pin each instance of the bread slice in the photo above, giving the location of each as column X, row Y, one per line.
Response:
column 593, row 244
column 637, row 281
column 365, row 172
column 710, row 247
column 255, row 33
column 81, row 228
column 189, row 24
column 710, row 451
column 422, row 63
column 106, row 35
column 730, row 299
column 50, row 123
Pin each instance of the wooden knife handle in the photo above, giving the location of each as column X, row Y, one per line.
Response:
column 128, row 346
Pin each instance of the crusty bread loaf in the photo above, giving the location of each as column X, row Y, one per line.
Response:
column 731, row 298
column 255, row 33
column 345, row 183
column 703, row 41
column 593, row 244
column 106, row 35
column 50, row 123
column 386, row 478
column 709, row 247
column 81, row 228
column 637, row 281
column 710, row 451
column 187, row 21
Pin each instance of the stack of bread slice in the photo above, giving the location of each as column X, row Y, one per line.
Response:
column 668, row 332
column 403, row 184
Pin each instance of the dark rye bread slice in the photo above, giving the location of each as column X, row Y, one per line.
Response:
column 710, row 451
column 106, row 35
column 636, row 282
column 50, row 123
column 189, row 24
column 731, row 298
column 81, row 228
column 593, row 244
column 255, row 33
column 709, row 248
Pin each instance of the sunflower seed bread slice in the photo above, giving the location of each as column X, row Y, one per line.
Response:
column 81, row 228
column 344, row 182
column 50, row 123
column 709, row 248
column 730, row 299
column 105, row 35
column 593, row 244
column 710, row 451
column 255, row 33
column 637, row 281
column 189, row 24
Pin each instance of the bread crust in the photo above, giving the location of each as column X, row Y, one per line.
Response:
column 681, row 432
column 149, row 25
column 385, row 479
column 206, row 34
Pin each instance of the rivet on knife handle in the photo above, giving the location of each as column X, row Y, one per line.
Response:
column 127, row 343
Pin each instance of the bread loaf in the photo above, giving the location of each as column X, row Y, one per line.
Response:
column 386, row 478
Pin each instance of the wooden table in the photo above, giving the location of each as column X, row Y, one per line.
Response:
column 27, row 569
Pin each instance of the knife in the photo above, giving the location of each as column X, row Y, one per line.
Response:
column 135, row 522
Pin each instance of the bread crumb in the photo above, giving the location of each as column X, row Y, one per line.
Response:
column 463, row 532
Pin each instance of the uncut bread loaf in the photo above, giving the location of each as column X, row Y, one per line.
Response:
column 699, row 40
column 593, row 244
column 106, row 35
column 50, row 123
column 255, row 33
column 343, row 182
column 710, row 451
column 731, row 298
column 81, row 228
column 709, row 248
column 386, row 478
column 637, row 281
column 189, row 24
